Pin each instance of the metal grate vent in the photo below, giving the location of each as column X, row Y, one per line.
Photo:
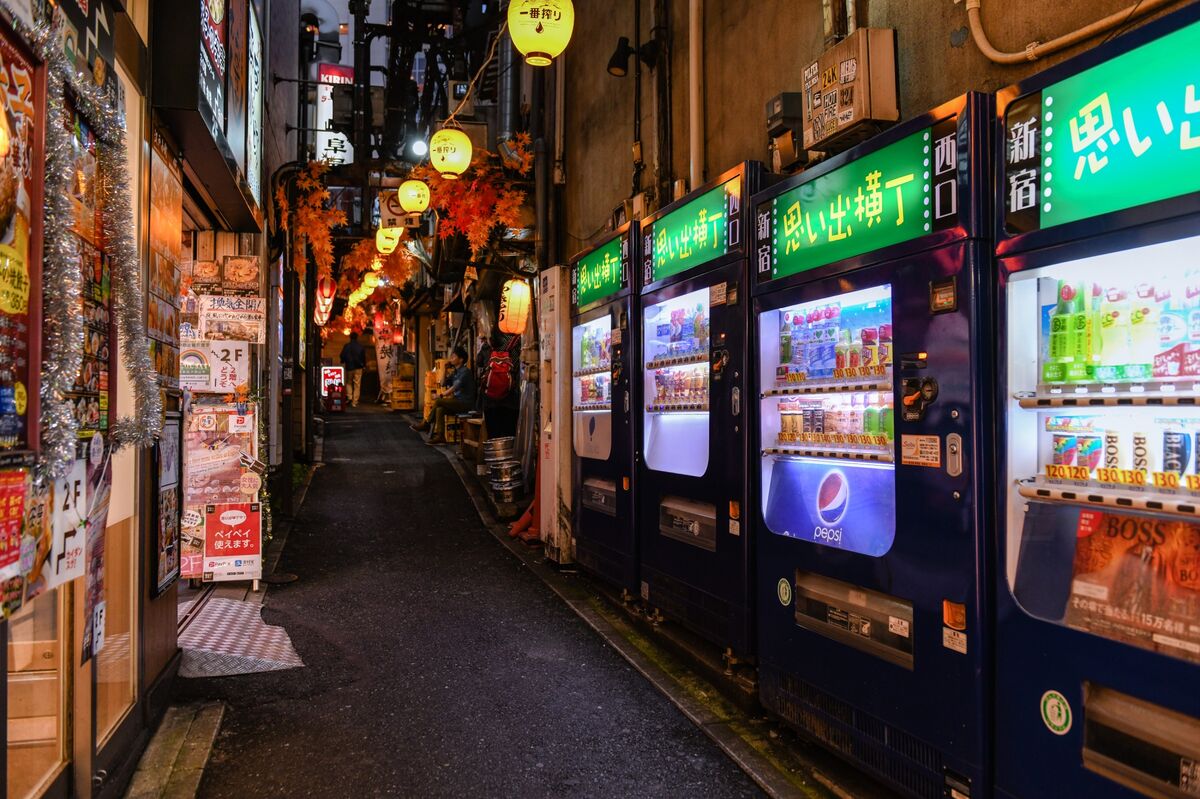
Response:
column 893, row 756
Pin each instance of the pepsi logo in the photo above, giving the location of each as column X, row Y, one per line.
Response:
column 833, row 497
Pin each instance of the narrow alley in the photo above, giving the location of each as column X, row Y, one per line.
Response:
column 435, row 664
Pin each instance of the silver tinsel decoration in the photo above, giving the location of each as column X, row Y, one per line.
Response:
column 62, row 278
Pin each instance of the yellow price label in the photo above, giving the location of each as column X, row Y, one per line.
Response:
column 1059, row 472
column 1165, row 479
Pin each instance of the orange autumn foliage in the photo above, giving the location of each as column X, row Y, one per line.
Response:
column 314, row 221
column 488, row 196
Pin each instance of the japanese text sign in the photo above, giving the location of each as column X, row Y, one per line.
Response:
column 233, row 541
column 697, row 232
column 331, row 376
column 900, row 192
column 601, row 273
column 1121, row 134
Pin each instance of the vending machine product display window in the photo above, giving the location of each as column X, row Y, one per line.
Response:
column 591, row 386
column 827, row 415
column 1103, row 372
column 676, row 390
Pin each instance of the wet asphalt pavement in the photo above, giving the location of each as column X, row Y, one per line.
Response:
column 436, row 664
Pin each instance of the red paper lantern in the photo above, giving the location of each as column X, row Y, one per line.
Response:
column 326, row 289
column 398, row 336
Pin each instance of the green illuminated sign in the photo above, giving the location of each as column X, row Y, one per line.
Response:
column 600, row 273
column 900, row 192
column 695, row 233
column 1121, row 134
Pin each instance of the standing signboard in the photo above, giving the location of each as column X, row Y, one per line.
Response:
column 233, row 541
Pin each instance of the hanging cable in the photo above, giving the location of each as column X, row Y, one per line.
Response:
column 478, row 73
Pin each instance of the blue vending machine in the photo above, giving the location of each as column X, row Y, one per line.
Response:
column 603, row 337
column 872, row 595
column 691, row 481
column 1098, row 509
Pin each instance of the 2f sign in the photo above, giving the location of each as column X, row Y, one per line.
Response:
column 69, row 525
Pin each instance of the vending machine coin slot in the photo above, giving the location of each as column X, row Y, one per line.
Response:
column 917, row 395
column 720, row 359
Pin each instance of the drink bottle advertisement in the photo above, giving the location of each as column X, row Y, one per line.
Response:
column 842, row 505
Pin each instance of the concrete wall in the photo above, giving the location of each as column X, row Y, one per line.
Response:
column 753, row 51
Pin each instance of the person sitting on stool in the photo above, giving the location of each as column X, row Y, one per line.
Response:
column 458, row 397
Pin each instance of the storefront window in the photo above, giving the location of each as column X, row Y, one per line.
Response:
column 36, row 687
column 115, row 688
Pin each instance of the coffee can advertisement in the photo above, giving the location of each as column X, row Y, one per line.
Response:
column 1136, row 579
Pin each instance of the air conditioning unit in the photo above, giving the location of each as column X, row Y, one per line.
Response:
column 851, row 92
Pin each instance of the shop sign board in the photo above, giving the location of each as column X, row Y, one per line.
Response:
column 697, row 232
column 601, row 273
column 331, row 375
column 166, row 254
column 213, row 60
column 236, row 31
column 233, row 541
column 1120, row 134
column 69, row 525
column 332, row 147
column 254, row 110
column 901, row 192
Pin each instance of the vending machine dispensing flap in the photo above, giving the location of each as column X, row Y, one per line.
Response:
column 600, row 495
column 689, row 521
column 1149, row 749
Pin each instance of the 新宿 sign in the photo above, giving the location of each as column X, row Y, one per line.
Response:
column 1121, row 134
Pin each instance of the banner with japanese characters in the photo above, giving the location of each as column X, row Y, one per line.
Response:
column 900, row 192
column 233, row 319
column 214, row 367
column 99, row 493
column 233, row 541
column 1123, row 133
column 165, row 278
column 1136, row 579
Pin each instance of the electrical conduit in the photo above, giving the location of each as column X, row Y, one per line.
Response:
column 696, row 91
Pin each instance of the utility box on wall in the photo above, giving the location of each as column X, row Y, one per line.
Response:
column 851, row 91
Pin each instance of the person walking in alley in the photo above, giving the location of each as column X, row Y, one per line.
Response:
column 354, row 360
column 458, row 397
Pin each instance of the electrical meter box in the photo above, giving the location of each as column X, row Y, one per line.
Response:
column 850, row 92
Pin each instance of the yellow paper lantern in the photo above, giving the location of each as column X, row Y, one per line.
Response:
column 387, row 239
column 540, row 29
column 414, row 195
column 371, row 280
column 450, row 153
column 376, row 264
column 514, row 307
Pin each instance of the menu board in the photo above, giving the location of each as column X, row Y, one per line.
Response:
column 166, row 244
column 20, row 175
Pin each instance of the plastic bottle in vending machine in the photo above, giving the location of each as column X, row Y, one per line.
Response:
column 785, row 338
column 885, row 344
column 871, row 414
column 887, row 422
column 842, row 351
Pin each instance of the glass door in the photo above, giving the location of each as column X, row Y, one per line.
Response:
column 675, row 352
column 1104, row 445
column 37, row 669
column 591, row 388
column 827, row 416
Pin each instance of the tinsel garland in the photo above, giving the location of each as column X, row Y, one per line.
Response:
column 62, row 278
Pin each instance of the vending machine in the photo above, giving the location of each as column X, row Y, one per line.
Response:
column 869, row 476
column 603, row 335
column 1098, row 514
column 692, row 459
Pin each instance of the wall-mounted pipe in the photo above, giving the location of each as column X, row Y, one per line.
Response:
column 1036, row 50
column 696, row 91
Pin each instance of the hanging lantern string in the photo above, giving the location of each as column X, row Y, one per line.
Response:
column 479, row 73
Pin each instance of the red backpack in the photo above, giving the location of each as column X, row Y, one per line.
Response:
column 498, row 382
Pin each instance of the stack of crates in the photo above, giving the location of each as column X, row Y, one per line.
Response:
column 403, row 396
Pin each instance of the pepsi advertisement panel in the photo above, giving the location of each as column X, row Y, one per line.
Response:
column 842, row 505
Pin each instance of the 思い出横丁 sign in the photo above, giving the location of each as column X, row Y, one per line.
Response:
column 900, row 192
column 601, row 273
column 697, row 232
column 1121, row 134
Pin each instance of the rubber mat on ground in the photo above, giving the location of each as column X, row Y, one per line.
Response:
column 230, row 637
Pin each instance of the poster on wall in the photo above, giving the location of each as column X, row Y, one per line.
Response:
column 69, row 501
column 90, row 394
column 239, row 274
column 216, row 367
column 166, row 252
column 12, row 517
column 191, row 543
column 20, row 173
column 233, row 541
column 167, row 546
column 99, row 493
column 36, row 543
column 233, row 319
column 302, row 328
column 87, row 29
column 217, row 438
